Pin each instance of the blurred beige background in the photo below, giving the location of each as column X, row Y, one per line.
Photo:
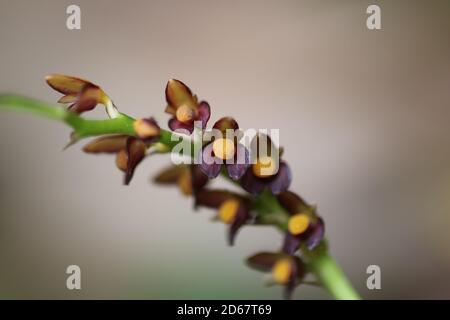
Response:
column 364, row 117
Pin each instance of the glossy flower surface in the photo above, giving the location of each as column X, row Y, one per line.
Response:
column 81, row 95
column 304, row 225
column 267, row 170
column 147, row 129
column 284, row 269
column 189, row 178
column 232, row 209
column 225, row 150
column 184, row 107
column 129, row 150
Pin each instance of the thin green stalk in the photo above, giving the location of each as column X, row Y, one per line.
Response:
column 331, row 276
column 20, row 103
column 83, row 128
column 319, row 261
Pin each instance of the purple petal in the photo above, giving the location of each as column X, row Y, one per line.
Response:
column 135, row 153
column 264, row 261
column 292, row 202
column 209, row 165
column 83, row 105
column 226, row 123
column 204, row 112
column 240, row 163
column 212, row 198
column 252, row 183
column 297, row 273
column 241, row 217
column 199, row 179
column 316, row 235
column 290, row 286
column 176, row 125
column 291, row 243
column 282, row 180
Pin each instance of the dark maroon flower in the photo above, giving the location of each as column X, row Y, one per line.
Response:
column 184, row 107
column 284, row 269
column 129, row 150
column 232, row 209
column 265, row 171
column 225, row 150
column 81, row 94
column 304, row 226
column 147, row 129
column 189, row 178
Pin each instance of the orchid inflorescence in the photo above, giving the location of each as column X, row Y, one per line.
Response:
column 263, row 178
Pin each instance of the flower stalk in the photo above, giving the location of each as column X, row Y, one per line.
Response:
column 331, row 276
column 266, row 205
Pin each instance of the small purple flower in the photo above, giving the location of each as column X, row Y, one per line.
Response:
column 184, row 107
column 284, row 269
column 189, row 178
column 225, row 150
column 232, row 209
column 304, row 226
column 129, row 150
column 265, row 171
column 81, row 94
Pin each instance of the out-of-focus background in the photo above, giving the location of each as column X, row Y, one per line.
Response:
column 364, row 118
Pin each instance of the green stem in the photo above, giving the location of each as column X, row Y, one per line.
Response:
column 320, row 263
column 20, row 103
column 122, row 124
column 331, row 276
column 271, row 212
column 82, row 127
